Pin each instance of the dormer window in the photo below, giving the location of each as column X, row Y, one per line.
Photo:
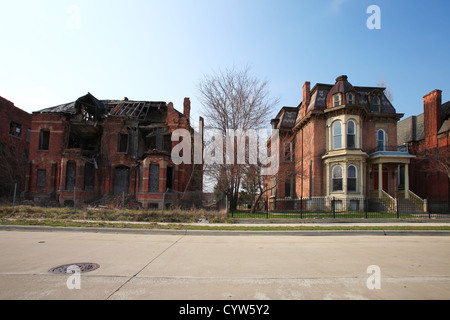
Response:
column 376, row 102
column 337, row 100
column 350, row 98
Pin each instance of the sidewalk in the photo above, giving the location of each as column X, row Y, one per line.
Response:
column 236, row 267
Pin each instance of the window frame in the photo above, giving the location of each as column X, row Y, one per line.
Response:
column 334, row 135
column 13, row 126
column 352, row 100
column 336, row 179
column 378, row 103
column 41, row 182
column 383, row 140
column 120, row 139
column 288, row 152
column 338, row 102
column 355, row 178
column 348, row 134
column 44, row 140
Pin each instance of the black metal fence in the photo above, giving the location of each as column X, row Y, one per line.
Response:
column 333, row 208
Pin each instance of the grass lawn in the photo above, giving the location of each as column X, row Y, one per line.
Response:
column 177, row 219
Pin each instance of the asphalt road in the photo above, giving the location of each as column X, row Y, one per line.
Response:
column 186, row 266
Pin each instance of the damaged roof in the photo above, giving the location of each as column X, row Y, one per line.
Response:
column 104, row 108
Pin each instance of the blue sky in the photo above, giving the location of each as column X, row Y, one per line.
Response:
column 54, row 51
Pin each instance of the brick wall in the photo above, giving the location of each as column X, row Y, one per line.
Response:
column 14, row 146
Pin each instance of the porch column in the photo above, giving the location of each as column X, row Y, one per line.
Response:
column 406, row 181
column 328, row 178
column 380, row 180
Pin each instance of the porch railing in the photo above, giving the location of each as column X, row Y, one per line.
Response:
column 418, row 201
column 390, row 202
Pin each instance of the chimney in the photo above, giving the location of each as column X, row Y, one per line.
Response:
column 187, row 108
column 306, row 93
column 432, row 116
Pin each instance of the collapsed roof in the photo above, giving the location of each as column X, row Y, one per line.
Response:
column 93, row 109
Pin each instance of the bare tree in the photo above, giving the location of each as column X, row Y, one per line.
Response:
column 388, row 92
column 436, row 160
column 233, row 100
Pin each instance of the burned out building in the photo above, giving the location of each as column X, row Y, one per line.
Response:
column 88, row 149
column 14, row 147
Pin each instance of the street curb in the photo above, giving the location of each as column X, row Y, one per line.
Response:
column 230, row 232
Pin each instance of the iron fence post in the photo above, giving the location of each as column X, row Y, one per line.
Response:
column 333, row 208
column 396, row 208
column 366, row 209
column 14, row 198
column 301, row 208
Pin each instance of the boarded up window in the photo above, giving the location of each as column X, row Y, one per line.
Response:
column 170, row 178
column 89, row 177
column 123, row 142
column 121, row 180
column 71, row 175
column 154, row 178
column 44, row 139
column 41, row 178
column 141, row 176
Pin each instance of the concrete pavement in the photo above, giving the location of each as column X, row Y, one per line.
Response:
column 183, row 266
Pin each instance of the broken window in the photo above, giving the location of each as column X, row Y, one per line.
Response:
column 123, row 143
column 89, row 177
column 15, row 129
column 154, row 178
column 158, row 139
column 168, row 143
column 40, row 181
column 44, row 139
column 121, row 183
column 170, row 178
column 141, row 176
column 71, row 171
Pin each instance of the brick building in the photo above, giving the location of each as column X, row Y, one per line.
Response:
column 428, row 136
column 15, row 125
column 341, row 143
column 84, row 150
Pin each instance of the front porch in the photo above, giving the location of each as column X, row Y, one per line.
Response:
column 389, row 180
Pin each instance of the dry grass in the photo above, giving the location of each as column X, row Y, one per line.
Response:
column 96, row 214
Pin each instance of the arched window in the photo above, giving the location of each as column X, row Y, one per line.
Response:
column 337, row 100
column 350, row 98
column 351, row 134
column 337, row 135
column 351, row 179
column 381, row 140
column 337, row 175
column 376, row 101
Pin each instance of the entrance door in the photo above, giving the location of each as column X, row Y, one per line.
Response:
column 385, row 180
column 121, row 180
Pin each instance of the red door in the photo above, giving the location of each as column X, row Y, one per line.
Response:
column 385, row 180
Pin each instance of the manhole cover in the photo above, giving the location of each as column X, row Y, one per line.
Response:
column 84, row 267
